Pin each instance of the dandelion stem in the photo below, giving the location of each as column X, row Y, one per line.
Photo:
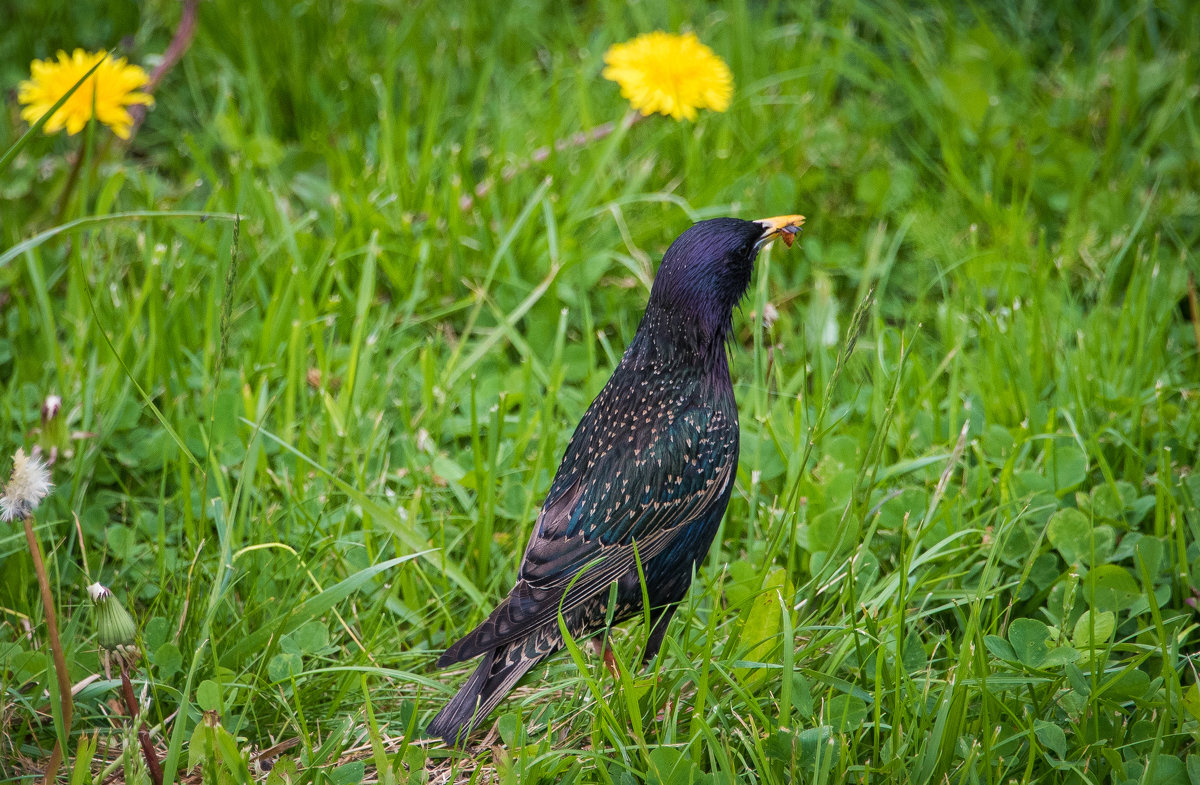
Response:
column 180, row 43
column 575, row 140
column 131, row 704
column 60, row 661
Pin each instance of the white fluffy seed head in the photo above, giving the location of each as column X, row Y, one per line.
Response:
column 28, row 485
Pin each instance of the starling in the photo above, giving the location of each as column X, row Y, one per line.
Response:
column 645, row 479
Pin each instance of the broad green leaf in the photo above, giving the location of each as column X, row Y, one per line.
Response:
column 1165, row 770
column 828, row 532
column 284, row 666
column 508, row 725
column 208, row 696
column 1018, row 540
column 1069, row 531
column 1028, row 638
column 1191, row 701
column 743, row 582
column 802, row 698
column 909, row 505
column 1000, row 648
column 200, row 749
column 780, row 746
column 671, row 766
column 310, row 637
column 764, row 623
column 1108, row 502
column 1058, row 656
column 1052, row 737
column 1093, row 629
column 1029, row 483
column 167, row 660
column 1111, row 588
column 284, row 772
column 846, row 712
column 844, row 449
column 1074, row 537
column 155, row 633
column 447, row 469
column 1068, row 468
column 1045, row 571
column 348, row 773
column 997, row 442
column 213, row 747
column 1193, row 769
column 1149, row 551
column 1078, row 681
column 815, row 746
column 760, row 451
column 1130, row 685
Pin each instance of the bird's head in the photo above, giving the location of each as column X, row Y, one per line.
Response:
column 706, row 271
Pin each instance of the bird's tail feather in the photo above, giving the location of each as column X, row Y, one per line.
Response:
column 495, row 677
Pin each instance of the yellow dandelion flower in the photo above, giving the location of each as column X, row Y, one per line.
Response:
column 670, row 74
column 111, row 89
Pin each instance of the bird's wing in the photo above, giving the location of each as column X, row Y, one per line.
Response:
column 602, row 516
column 641, row 495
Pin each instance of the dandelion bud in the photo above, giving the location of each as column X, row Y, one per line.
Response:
column 51, row 407
column 115, row 629
column 53, row 435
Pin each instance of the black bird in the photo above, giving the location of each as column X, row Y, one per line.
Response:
column 646, row 477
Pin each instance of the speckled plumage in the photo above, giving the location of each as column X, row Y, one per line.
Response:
column 646, row 477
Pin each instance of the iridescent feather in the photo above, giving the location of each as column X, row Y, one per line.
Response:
column 645, row 479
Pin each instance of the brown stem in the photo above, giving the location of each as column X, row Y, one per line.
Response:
column 131, row 704
column 578, row 139
column 66, row 706
column 180, row 42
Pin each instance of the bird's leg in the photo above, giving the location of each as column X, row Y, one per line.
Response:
column 662, row 620
column 611, row 662
column 601, row 648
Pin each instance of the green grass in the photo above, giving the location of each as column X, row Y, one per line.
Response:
column 306, row 447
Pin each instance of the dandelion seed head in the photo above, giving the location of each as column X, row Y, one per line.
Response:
column 28, row 485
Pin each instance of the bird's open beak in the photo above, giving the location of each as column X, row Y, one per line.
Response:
column 785, row 227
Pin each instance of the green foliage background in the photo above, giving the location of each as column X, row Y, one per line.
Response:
column 306, row 447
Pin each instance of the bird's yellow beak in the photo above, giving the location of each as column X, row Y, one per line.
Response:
column 785, row 227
